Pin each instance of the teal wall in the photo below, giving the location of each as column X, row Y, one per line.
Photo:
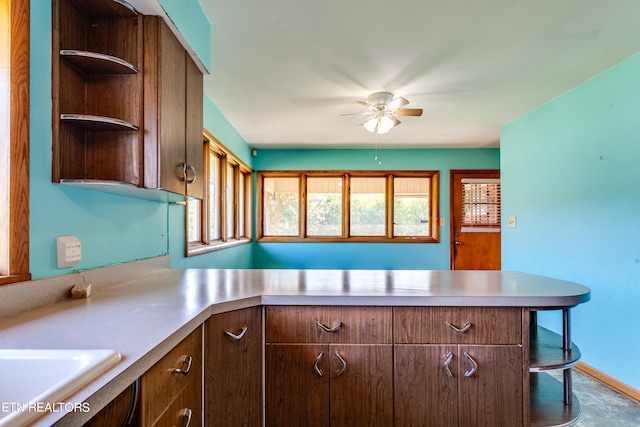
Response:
column 113, row 229
column 369, row 255
column 192, row 23
column 570, row 176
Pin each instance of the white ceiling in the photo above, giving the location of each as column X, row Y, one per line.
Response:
column 283, row 71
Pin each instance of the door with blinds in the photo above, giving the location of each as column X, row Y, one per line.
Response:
column 475, row 220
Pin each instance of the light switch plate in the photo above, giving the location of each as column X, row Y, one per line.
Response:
column 512, row 222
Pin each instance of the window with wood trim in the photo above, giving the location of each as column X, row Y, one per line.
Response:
column 480, row 204
column 223, row 217
column 361, row 206
column 14, row 141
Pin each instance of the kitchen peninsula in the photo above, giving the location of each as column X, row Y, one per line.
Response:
column 450, row 339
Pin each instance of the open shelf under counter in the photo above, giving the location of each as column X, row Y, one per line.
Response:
column 547, row 353
column 97, row 63
column 547, row 405
column 97, row 123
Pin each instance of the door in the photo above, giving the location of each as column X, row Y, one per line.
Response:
column 475, row 220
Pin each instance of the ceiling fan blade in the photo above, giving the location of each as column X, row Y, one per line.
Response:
column 361, row 113
column 408, row 112
column 396, row 122
column 363, row 103
column 398, row 102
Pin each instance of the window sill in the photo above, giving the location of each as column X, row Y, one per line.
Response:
column 6, row 280
column 289, row 239
column 198, row 249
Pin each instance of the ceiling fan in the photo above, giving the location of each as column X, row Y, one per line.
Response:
column 383, row 111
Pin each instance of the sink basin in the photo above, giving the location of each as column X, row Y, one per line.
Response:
column 34, row 381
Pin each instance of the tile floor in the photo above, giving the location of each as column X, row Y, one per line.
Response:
column 601, row 405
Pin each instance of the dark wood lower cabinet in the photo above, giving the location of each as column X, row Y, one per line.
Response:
column 233, row 368
column 449, row 385
column 329, row 384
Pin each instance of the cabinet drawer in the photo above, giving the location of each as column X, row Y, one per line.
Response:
column 476, row 325
column 161, row 384
column 186, row 409
column 324, row 324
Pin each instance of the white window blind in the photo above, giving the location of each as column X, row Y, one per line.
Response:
column 480, row 204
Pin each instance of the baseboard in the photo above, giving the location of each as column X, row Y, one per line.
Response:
column 609, row 380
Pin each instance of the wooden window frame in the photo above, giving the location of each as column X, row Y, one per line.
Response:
column 434, row 206
column 15, row 239
column 242, row 175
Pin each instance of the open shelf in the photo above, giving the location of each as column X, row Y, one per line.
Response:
column 547, row 354
column 547, row 405
column 97, row 63
column 97, row 123
column 125, row 189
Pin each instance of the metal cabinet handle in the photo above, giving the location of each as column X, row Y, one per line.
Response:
column 239, row 336
column 447, row 363
column 335, row 327
column 181, row 171
column 192, row 169
column 315, row 364
column 186, row 415
column 465, row 327
column 474, row 365
column 344, row 364
column 184, row 360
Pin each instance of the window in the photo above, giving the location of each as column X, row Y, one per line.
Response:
column 481, row 204
column 358, row 206
column 14, row 141
column 223, row 217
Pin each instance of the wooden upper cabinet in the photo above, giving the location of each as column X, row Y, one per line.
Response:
column 97, row 92
column 172, row 113
column 127, row 100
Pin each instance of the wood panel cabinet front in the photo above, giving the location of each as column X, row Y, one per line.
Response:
column 329, row 324
column 458, row 325
column 233, row 368
column 179, row 372
column 449, row 385
column 329, row 384
column 172, row 113
column 329, row 366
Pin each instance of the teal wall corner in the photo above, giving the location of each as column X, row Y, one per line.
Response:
column 569, row 175
column 191, row 21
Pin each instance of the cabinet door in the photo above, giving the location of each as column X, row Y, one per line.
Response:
column 172, row 105
column 194, row 147
column 233, row 368
column 297, row 385
column 493, row 394
column 424, row 393
column 361, row 385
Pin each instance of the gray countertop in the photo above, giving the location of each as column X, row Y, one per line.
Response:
column 146, row 317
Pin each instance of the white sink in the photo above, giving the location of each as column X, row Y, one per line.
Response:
column 32, row 381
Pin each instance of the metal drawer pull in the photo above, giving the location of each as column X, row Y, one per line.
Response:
column 464, row 329
column 181, row 172
column 239, row 336
column 186, row 415
column 447, row 363
column 474, row 365
column 184, row 360
column 315, row 364
column 192, row 169
column 336, row 326
column 344, row 364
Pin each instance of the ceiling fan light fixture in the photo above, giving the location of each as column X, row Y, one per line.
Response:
column 371, row 124
column 385, row 123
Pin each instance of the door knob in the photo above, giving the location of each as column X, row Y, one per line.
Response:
column 457, row 243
